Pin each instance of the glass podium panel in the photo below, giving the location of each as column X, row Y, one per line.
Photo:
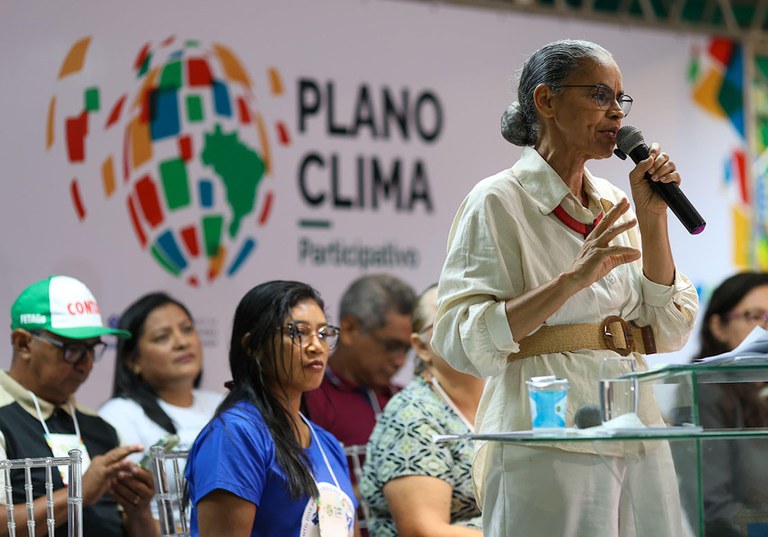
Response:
column 722, row 473
column 679, row 388
column 735, row 511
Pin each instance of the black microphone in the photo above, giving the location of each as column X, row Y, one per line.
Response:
column 587, row 416
column 629, row 141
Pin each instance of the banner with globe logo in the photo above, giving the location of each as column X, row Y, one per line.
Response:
column 190, row 164
column 155, row 145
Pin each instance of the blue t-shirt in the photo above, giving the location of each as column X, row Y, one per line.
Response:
column 235, row 452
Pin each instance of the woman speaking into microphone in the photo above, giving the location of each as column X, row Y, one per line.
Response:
column 544, row 258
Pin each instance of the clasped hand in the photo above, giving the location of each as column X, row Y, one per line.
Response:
column 129, row 484
column 661, row 170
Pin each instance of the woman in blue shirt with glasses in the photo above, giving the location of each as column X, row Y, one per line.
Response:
column 260, row 468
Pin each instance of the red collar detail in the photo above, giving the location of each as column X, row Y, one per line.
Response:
column 571, row 222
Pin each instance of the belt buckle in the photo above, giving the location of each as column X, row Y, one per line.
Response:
column 608, row 335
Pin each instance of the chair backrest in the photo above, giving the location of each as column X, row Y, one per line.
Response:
column 74, row 463
column 172, row 508
column 356, row 457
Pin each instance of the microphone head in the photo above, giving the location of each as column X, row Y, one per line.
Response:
column 587, row 416
column 628, row 138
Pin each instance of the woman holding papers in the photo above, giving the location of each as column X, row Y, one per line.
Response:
column 736, row 476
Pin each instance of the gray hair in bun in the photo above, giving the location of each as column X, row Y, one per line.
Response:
column 552, row 65
column 515, row 128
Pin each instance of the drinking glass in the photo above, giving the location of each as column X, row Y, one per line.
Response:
column 618, row 390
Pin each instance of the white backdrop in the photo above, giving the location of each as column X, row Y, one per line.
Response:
column 463, row 60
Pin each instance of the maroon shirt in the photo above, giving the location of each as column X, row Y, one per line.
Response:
column 344, row 409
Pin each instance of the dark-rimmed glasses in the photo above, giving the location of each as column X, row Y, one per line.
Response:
column 301, row 334
column 391, row 346
column 604, row 96
column 72, row 353
column 752, row 316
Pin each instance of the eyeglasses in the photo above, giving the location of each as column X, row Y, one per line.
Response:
column 73, row 353
column 604, row 97
column 301, row 334
column 391, row 346
column 424, row 332
column 752, row 316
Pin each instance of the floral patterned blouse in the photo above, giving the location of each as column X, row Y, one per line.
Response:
column 401, row 445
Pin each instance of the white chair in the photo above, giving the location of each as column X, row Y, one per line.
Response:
column 74, row 464
column 169, row 493
column 356, row 457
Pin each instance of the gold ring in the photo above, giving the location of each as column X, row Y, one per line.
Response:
column 136, row 500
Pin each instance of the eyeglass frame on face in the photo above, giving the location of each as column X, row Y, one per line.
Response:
column 423, row 332
column 624, row 100
column 751, row 316
column 96, row 350
column 321, row 334
column 390, row 346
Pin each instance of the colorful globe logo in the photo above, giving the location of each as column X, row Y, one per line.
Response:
column 185, row 148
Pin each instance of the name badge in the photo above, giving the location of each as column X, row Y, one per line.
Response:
column 335, row 511
column 60, row 445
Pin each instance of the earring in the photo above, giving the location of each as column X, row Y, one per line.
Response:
column 136, row 369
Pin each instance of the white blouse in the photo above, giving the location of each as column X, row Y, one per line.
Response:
column 505, row 241
column 134, row 427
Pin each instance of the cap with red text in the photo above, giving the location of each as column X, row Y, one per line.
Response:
column 63, row 306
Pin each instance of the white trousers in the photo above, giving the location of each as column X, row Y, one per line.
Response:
column 547, row 492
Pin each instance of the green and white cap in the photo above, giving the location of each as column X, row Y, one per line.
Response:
column 63, row 306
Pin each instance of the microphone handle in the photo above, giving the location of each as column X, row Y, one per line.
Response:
column 672, row 196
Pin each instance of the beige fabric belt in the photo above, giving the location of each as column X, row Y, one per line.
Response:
column 614, row 333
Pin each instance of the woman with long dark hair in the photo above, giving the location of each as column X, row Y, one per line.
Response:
column 260, row 468
column 735, row 472
column 157, row 374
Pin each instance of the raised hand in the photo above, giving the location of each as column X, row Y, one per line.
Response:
column 598, row 257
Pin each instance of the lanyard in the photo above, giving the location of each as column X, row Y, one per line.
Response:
column 322, row 451
column 61, row 443
column 441, row 392
column 374, row 401
column 42, row 421
column 368, row 394
column 335, row 509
